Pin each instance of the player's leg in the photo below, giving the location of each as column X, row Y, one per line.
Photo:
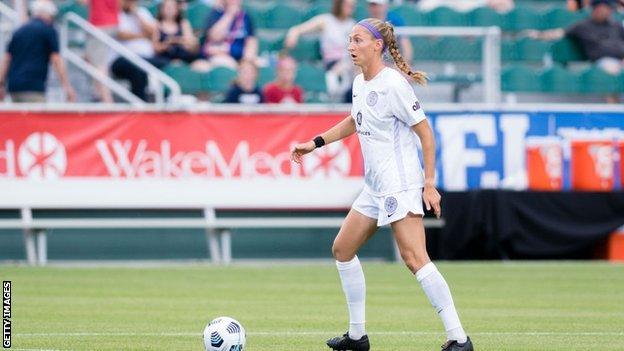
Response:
column 409, row 233
column 356, row 229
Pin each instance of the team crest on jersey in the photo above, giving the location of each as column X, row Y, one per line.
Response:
column 371, row 99
column 391, row 204
column 358, row 118
column 416, row 106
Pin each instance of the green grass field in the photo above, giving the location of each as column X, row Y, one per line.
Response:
column 503, row 306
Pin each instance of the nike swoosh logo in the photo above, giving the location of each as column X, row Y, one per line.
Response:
column 390, row 215
column 354, row 95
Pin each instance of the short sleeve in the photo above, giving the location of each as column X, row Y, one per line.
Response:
column 53, row 40
column 404, row 104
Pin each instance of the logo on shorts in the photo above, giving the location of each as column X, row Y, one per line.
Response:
column 391, row 204
column 416, row 106
column 371, row 99
column 358, row 118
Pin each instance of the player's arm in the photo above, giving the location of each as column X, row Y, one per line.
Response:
column 431, row 197
column 341, row 130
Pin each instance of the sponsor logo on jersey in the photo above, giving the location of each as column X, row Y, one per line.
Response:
column 416, row 106
column 358, row 118
column 391, row 205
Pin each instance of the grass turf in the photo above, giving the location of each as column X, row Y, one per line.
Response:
column 503, row 306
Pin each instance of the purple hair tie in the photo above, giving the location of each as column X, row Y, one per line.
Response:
column 374, row 31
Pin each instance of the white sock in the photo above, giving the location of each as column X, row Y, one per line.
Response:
column 354, row 287
column 439, row 295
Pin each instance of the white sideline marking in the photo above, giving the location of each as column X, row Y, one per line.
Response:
column 294, row 333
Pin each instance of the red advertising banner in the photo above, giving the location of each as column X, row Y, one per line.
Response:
column 170, row 145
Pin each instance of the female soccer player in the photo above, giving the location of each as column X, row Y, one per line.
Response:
column 387, row 118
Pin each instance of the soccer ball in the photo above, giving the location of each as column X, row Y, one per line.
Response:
column 224, row 334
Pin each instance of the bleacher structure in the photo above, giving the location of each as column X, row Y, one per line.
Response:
column 528, row 65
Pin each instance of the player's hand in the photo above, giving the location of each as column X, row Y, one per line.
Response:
column 432, row 198
column 300, row 150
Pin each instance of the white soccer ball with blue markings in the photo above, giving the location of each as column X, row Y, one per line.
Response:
column 224, row 334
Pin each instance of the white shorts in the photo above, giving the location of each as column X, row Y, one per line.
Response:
column 389, row 208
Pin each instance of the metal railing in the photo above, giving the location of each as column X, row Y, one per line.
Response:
column 161, row 79
column 7, row 27
column 491, row 65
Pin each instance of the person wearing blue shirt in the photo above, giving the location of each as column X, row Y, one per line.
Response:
column 230, row 37
column 33, row 46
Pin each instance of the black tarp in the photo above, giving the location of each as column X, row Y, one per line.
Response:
column 496, row 224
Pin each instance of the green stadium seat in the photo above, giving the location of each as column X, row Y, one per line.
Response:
column 444, row 17
column 521, row 18
column 520, row 78
column 458, row 49
column 257, row 14
column 559, row 17
column 76, row 7
column 308, row 49
column 196, row 14
column 311, row 78
column 557, row 79
column 485, row 17
column 411, row 15
column 189, row 80
column 317, row 9
column 508, row 50
column 265, row 75
column 282, row 16
column 361, row 11
column 153, row 8
column 424, row 48
column 269, row 41
column 534, row 50
column 567, row 50
column 595, row 80
column 218, row 80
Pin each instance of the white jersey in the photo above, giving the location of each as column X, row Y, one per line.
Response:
column 384, row 110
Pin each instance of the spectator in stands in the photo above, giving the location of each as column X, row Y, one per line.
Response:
column 334, row 27
column 136, row 28
column 599, row 36
column 500, row 6
column 173, row 38
column 33, row 46
column 379, row 9
column 229, row 35
column 283, row 89
column 103, row 14
column 245, row 89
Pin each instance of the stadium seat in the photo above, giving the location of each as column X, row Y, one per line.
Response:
column 190, row 81
column 282, row 16
column 411, row 15
column 532, row 49
column 458, row 49
column 508, row 50
column 557, row 79
column 197, row 13
column 595, row 80
column 444, row 17
column 257, row 14
column 265, row 75
column 485, row 17
column 311, row 78
column 218, row 80
column 521, row 18
column 73, row 6
column 317, row 9
column 424, row 48
column 566, row 50
column 307, row 49
column 560, row 17
column 520, row 78
column 361, row 11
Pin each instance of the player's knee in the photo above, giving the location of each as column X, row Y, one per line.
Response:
column 414, row 261
column 340, row 254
